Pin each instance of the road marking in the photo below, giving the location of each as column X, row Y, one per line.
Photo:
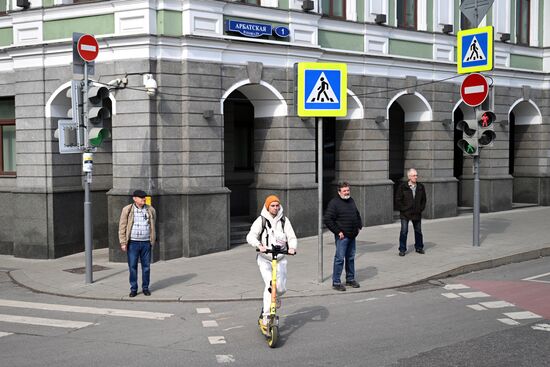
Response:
column 497, row 304
column 4, row 334
column 233, row 327
column 88, row 310
column 543, row 327
column 390, row 295
column 477, row 307
column 365, row 300
column 209, row 323
column 225, row 358
column 532, row 279
column 474, row 294
column 522, row 315
column 450, row 287
column 203, row 310
column 509, row 322
column 450, row 295
column 44, row 322
column 216, row 339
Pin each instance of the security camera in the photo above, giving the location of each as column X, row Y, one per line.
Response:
column 150, row 84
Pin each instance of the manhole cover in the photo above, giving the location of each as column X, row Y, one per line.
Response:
column 82, row 270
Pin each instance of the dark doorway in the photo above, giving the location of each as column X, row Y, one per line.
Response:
column 329, row 158
column 397, row 143
column 512, row 144
column 238, row 151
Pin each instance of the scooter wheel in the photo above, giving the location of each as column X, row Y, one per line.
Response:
column 273, row 337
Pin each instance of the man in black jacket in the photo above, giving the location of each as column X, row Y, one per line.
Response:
column 410, row 200
column 343, row 219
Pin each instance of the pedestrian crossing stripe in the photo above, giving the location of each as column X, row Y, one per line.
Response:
column 475, row 50
column 321, row 89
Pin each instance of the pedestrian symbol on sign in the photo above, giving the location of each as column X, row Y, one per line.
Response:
column 475, row 52
column 322, row 91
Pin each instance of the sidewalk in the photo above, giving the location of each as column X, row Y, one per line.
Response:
column 511, row 236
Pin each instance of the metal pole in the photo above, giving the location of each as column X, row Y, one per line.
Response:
column 476, row 15
column 476, row 202
column 87, row 182
column 320, row 197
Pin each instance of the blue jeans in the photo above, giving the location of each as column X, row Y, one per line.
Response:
column 418, row 239
column 345, row 254
column 139, row 250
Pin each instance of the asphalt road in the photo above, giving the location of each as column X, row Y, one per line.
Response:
column 497, row 317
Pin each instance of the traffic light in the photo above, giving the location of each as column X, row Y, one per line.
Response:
column 469, row 142
column 99, row 113
column 486, row 128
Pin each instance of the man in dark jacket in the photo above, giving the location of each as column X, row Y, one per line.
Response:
column 410, row 200
column 343, row 219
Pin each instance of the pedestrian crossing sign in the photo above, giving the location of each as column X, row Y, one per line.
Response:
column 322, row 89
column 475, row 50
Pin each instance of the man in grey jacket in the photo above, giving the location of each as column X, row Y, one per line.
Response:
column 136, row 234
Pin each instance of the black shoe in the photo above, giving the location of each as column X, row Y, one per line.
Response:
column 133, row 294
column 401, row 253
column 338, row 287
column 353, row 284
column 146, row 292
column 420, row 251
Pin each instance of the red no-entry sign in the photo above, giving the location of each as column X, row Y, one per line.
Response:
column 87, row 47
column 474, row 90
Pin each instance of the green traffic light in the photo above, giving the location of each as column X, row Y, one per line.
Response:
column 470, row 149
column 96, row 136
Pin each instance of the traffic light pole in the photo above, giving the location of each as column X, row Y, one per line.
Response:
column 87, row 167
column 475, row 242
column 320, row 198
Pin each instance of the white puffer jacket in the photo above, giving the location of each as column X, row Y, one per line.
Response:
column 274, row 234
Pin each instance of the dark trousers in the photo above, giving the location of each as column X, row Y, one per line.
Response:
column 139, row 250
column 418, row 239
column 344, row 256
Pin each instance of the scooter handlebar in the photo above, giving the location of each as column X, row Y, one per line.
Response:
column 276, row 251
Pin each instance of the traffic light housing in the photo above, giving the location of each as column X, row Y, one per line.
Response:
column 99, row 114
column 469, row 143
column 487, row 134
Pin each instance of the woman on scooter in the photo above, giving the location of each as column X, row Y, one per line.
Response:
column 270, row 229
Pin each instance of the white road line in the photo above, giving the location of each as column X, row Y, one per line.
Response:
column 474, row 294
column 477, row 307
column 44, row 322
column 450, row 295
column 390, row 295
column 216, row 339
column 509, row 322
column 88, row 310
column 450, row 287
column 497, row 304
column 234, row 327
column 365, row 300
column 203, row 310
column 209, row 323
column 538, row 276
column 522, row 315
column 225, row 358
column 4, row 334
column 543, row 327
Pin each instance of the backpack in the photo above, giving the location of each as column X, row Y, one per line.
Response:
column 264, row 222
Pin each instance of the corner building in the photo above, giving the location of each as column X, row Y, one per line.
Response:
column 221, row 132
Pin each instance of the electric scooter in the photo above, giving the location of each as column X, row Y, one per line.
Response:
column 271, row 329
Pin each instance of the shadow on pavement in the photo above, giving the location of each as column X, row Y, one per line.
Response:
column 299, row 318
column 97, row 279
column 491, row 226
column 366, row 273
column 167, row 282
